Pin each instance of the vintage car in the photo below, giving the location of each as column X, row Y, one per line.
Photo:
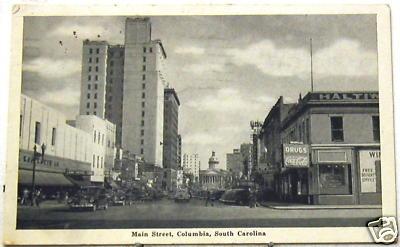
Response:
column 216, row 194
column 90, row 197
column 182, row 196
column 236, row 197
column 118, row 198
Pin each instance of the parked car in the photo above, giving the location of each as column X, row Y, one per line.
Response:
column 236, row 197
column 119, row 198
column 182, row 196
column 90, row 197
column 216, row 194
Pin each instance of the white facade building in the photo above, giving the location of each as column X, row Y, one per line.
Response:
column 143, row 98
column 191, row 164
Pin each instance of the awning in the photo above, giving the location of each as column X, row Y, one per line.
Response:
column 43, row 178
column 79, row 181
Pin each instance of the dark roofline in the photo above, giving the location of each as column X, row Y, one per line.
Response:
column 173, row 92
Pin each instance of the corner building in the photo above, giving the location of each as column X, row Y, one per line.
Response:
column 341, row 133
column 143, row 93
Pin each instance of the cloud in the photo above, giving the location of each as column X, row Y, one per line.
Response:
column 206, row 67
column 189, row 50
column 58, row 97
column 201, row 138
column 345, row 57
column 53, row 68
column 226, row 100
column 270, row 59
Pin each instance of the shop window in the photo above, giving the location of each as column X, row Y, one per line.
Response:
column 335, row 179
column 53, row 136
column 376, row 128
column 337, row 129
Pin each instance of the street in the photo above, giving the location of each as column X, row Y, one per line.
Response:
column 169, row 214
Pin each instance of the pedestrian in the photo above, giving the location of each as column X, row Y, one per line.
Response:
column 208, row 197
column 251, row 198
column 25, row 195
column 38, row 197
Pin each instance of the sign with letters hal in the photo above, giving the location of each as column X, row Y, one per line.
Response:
column 296, row 155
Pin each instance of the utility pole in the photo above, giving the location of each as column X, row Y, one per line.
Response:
column 311, row 64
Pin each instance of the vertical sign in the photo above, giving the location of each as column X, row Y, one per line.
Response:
column 368, row 171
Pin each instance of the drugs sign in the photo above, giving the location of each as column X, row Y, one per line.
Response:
column 296, row 155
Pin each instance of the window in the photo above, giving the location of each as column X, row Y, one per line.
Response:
column 111, row 80
column 53, row 136
column 97, row 68
column 143, row 104
column 142, row 122
column 88, row 95
column 90, row 59
column 143, row 95
column 95, row 105
column 111, row 72
column 96, row 78
column 144, row 68
column 89, row 78
column 335, row 179
column 97, row 51
column 88, row 105
column 90, row 68
column 141, row 151
column 95, row 86
column 142, row 132
column 97, row 60
column 376, row 128
column 144, row 59
column 151, row 49
column 88, row 86
column 144, row 49
column 143, row 86
column 95, row 95
column 90, row 50
column 143, row 77
column 142, row 113
column 112, row 63
column 142, row 142
column 337, row 129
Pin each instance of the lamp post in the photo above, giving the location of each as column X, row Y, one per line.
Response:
column 33, row 175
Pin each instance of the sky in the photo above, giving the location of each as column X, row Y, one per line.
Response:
column 227, row 70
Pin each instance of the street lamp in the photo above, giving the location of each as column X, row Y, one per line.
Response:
column 33, row 174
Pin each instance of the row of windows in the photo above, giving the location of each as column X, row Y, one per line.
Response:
column 94, row 105
column 90, row 87
column 91, row 60
column 301, row 131
column 91, row 51
column 100, row 161
column 121, row 53
column 145, row 49
column 96, row 77
column 38, row 136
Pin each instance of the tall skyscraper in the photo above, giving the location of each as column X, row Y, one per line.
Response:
column 143, row 93
column 170, row 142
column 234, row 161
column 102, row 83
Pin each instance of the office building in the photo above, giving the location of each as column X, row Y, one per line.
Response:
column 191, row 165
column 143, row 93
column 170, row 139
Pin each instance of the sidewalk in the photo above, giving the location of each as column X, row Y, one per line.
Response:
column 294, row 206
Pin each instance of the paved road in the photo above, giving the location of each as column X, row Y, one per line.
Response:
column 168, row 214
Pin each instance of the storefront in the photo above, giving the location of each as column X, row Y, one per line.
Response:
column 348, row 175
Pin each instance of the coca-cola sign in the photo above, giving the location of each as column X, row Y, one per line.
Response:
column 296, row 155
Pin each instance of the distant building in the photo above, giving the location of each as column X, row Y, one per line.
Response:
column 143, row 92
column 171, row 137
column 234, row 162
column 213, row 178
column 191, row 165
